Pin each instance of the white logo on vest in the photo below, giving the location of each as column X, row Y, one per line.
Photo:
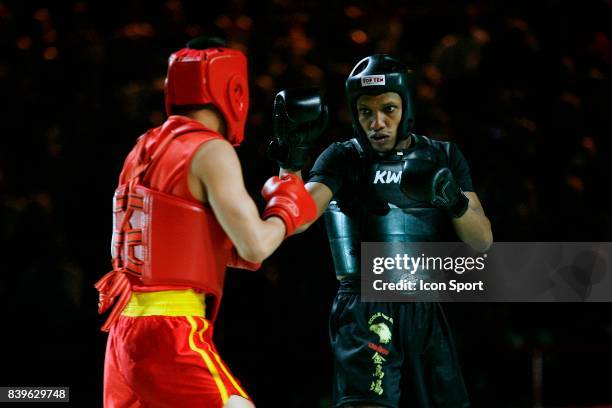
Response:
column 387, row 177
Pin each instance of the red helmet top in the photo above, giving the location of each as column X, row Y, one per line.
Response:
column 216, row 76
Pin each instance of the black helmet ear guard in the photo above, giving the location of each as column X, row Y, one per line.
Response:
column 378, row 74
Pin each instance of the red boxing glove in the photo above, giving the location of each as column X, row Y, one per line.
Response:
column 288, row 199
column 236, row 261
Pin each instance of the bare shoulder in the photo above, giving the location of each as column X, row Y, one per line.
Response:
column 216, row 166
column 215, row 150
column 215, row 156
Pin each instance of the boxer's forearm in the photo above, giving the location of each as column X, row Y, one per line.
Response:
column 474, row 228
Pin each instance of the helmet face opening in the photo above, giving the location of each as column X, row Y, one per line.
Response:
column 378, row 74
column 216, row 76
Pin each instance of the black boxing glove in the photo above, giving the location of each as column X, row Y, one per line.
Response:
column 424, row 180
column 300, row 117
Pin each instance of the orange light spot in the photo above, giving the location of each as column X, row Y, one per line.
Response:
column 41, row 15
column 174, row 5
column 24, row 43
column 433, row 74
column 472, row 10
column 244, row 23
column 79, row 7
column 138, row 30
column 589, row 144
column 236, row 45
column 223, row 22
column 527, row 124
column 159, row 83
column 313, row 72
column 353, row 12
column 480, row 36
column 5, row 12
column 426, row 92
column 193, row 30
column 518, row 23
column 359, row 36
column 571, row 99
column 265, row 82
column 449, row 40
column 575, row 183
column 50, row 53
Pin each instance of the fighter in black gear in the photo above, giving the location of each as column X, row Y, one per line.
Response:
column 388, row 184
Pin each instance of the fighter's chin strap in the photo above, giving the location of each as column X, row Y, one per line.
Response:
column 116, row 283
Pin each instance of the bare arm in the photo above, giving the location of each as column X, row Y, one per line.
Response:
column 320, row 193
column 217, row 168
column 473, row 227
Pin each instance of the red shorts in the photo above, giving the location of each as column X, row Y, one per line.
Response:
column 165, row 360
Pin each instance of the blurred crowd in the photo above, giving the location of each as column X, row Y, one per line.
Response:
column 522, row 87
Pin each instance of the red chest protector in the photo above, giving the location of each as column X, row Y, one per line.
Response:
column 163, row 236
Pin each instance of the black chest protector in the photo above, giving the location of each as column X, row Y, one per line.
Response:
column 370, row 206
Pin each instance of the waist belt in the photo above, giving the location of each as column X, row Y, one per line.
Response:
column 165, row 303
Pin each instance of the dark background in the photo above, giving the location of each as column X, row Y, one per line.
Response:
column 522, row 87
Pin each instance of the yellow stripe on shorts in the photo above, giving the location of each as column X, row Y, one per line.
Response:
column 227, row 373
column 209, row 363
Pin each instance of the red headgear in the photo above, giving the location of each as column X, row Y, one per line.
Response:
column 214, row 75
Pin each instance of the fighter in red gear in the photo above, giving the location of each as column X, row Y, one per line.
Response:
column 181, row 215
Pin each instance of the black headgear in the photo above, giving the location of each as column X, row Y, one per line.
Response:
column 378, row 74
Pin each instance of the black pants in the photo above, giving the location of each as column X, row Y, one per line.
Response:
column 387, row 352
